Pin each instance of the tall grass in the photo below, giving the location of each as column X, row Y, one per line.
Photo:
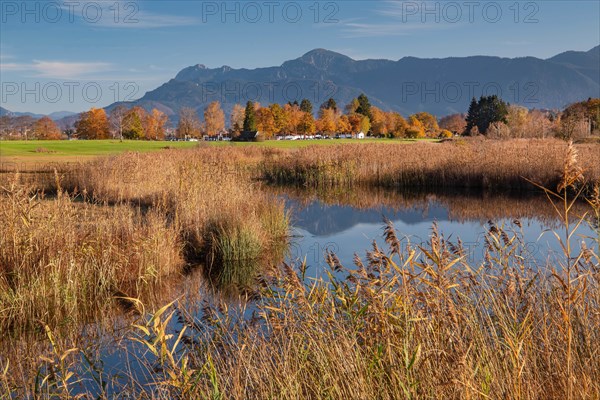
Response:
column 406, row 321
column 131, row 218
column 413, row 321
column 471, row 164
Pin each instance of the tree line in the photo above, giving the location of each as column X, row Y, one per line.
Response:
column 489, row 115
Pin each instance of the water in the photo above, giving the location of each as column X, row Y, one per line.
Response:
column 319, row 227
column 347, row 223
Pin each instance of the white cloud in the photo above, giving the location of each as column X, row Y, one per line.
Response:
column 58, row 69
column 358, row 30
column 124, row 14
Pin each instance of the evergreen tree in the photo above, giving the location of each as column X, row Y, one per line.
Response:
column 471, row 119
column 486, row 111
column 249, row 118
column 306, row 106
column 329, row 105
column 364, row 107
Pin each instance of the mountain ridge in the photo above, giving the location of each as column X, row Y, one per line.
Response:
column 407, row 85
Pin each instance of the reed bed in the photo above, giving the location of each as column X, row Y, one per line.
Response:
column 466, row 164
column 406, row 321
column 131, row 218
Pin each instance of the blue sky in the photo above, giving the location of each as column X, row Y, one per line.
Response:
column 72, row 55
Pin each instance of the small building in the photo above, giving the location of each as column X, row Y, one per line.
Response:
column 249, row 136
column 360, row 135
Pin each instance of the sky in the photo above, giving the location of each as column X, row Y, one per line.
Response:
column 75, row 54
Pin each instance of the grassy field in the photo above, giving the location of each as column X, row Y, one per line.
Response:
column 80, row 150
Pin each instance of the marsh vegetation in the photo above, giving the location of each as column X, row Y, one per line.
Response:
column 86, row 251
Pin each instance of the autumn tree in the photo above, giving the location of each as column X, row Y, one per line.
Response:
column 307, row 124
column 454, row 123
column 214, row 119
column 343, row 124
column 415, row 128
column 429, row 122
column 279, row 117
column 250, row 117
column 327, row 122
column 580, row 119
column 154, row 125
column 365, row 124
column 93, row 124
column 116, row 120
column 355, row 121
column 517, row 121
column 398, row 125
column 540, row 123
column 293, row 116
column 236, row 120
column 46, row 129
column 380, row 122
column 265, row 123
column 133, row 123
column 189, row 124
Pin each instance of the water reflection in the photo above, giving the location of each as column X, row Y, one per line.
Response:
column 347, row 222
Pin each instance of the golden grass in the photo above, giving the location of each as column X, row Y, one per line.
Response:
column 406, row 321
column 472, row 164
column 130, row 218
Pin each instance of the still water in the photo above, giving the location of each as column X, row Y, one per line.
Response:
column 345, row 229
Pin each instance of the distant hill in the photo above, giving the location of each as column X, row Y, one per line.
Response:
column 55, row 115
column 440, row 86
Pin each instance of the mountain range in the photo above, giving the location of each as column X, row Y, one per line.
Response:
column 58, row 115
column 440, row 86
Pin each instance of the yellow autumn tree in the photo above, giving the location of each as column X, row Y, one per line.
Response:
column 265, row 123
column 415, row 129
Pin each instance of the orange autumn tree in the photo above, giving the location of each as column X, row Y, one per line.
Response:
column 214, row 119
column 46, row 129
column 293, row 117
column 93, row 124
column 154, row 125
column 327, row 122
column 343, row 124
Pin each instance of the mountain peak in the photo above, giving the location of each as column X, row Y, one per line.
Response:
column 322, row 58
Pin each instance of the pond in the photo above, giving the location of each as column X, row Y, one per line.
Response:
column 344, row 223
